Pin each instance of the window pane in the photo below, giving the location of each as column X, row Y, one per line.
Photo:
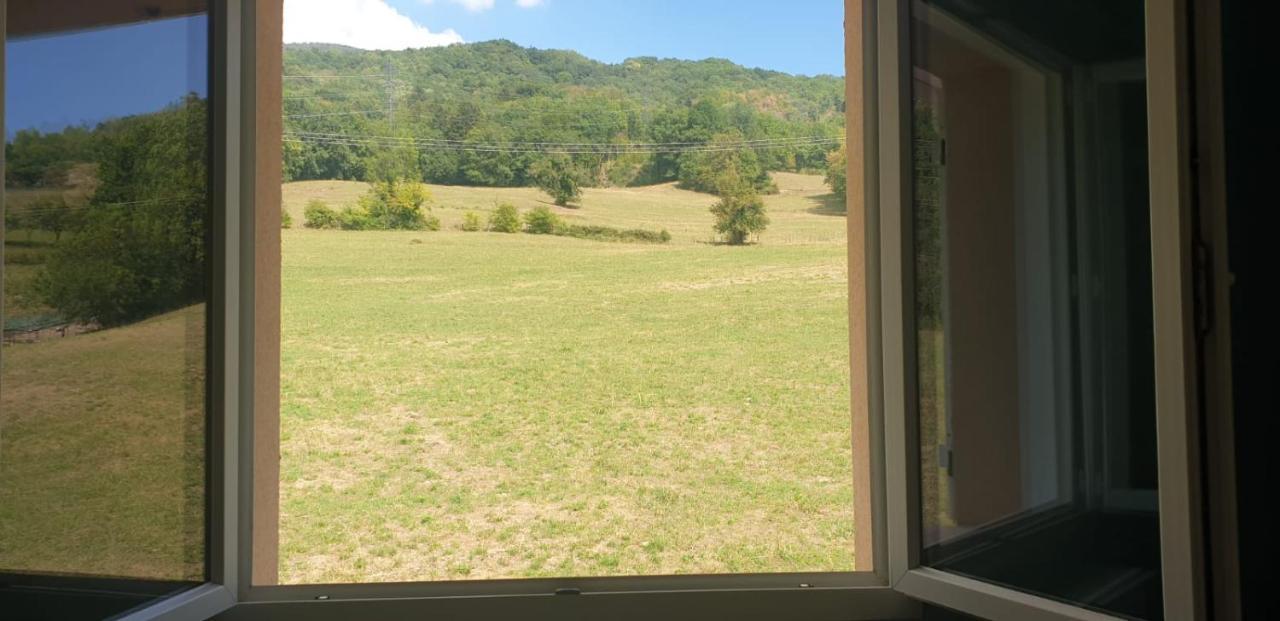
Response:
column 514, row 344
column 1033, row 298
column 106, row 277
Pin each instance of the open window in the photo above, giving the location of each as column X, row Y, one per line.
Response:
column 970, row 383
column 110, row 390
column 1033, row 295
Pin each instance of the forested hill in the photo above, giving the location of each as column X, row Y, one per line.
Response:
column 485, row 113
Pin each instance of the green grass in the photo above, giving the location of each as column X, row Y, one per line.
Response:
column 478, row 405
column 101, row 446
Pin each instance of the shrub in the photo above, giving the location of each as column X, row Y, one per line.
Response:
column 837, row 172
column 471, row 222
column 318, row 215
column 431, row 223
column 739, row 215
column 286, row 220
column 396, row 204
column 610, row 234
column 541, row 221
column 352, row 219
column 505, row 219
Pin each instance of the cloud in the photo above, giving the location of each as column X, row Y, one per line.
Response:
column 366, row 24
column 475, row 6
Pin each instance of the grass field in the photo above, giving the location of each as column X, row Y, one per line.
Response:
column 101, row 449
column 474, row 405
column 478, row 405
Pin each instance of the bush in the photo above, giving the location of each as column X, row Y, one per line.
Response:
column 610, row 234
column 352, row 219
column 318, row 215
column 837, row 172
column 286, row 220
column 505, row 219
column 739, row 215
column 396, row 205
column 471, row 222
column 431, row 223
column 541, row 221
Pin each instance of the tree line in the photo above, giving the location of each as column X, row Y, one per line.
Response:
column 439, row 103
column 138, row 245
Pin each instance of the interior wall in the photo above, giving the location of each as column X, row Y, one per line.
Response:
column 981, row 259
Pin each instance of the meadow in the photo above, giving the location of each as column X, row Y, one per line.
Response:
column 474, row 405
column 482, row 405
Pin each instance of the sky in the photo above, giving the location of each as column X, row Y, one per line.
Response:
column 90, row 76
column 796, row 36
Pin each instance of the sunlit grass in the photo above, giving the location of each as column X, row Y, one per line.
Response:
column 477, row 405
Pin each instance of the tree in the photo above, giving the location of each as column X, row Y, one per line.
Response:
column 140, row 249
column 52, row 214
column 558, row 177
column 837, row 171
column 739, row 214
column 724, row 167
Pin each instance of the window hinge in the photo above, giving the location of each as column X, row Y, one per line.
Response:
column 1202, row 275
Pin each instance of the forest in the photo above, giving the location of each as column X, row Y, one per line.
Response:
column 495, row 114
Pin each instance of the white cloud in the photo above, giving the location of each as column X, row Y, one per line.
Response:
column 366, row 24
column 475, row 6
column 529, row 4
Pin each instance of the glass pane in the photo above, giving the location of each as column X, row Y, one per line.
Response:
column 551, row 362
column 106, row 279
column 1033, row 298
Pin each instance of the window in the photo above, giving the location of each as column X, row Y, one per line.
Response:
column 107, row 280
column 556, row 313
column 1033, row 300
column 1046, row 394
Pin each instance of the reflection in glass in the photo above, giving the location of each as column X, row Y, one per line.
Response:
column 1033, row 298
column 102, row 379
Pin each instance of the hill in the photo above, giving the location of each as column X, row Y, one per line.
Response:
column 484, row 113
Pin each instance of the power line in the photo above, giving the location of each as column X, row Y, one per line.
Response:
column 325, row 77
column 751, row 142
column 556, row 148
column 352, row 113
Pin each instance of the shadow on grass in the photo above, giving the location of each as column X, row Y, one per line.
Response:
column 716, row 242
column 827, row 205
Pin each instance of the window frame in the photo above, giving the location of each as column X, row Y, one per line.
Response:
column 240, row 445
column 863, row 594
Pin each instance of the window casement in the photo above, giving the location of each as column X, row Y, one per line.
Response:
column 904, row 130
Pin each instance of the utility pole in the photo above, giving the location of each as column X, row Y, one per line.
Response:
column 391, row 97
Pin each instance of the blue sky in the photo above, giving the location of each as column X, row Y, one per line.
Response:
column 797, row 36
column 86, row 77
column 90, row 76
